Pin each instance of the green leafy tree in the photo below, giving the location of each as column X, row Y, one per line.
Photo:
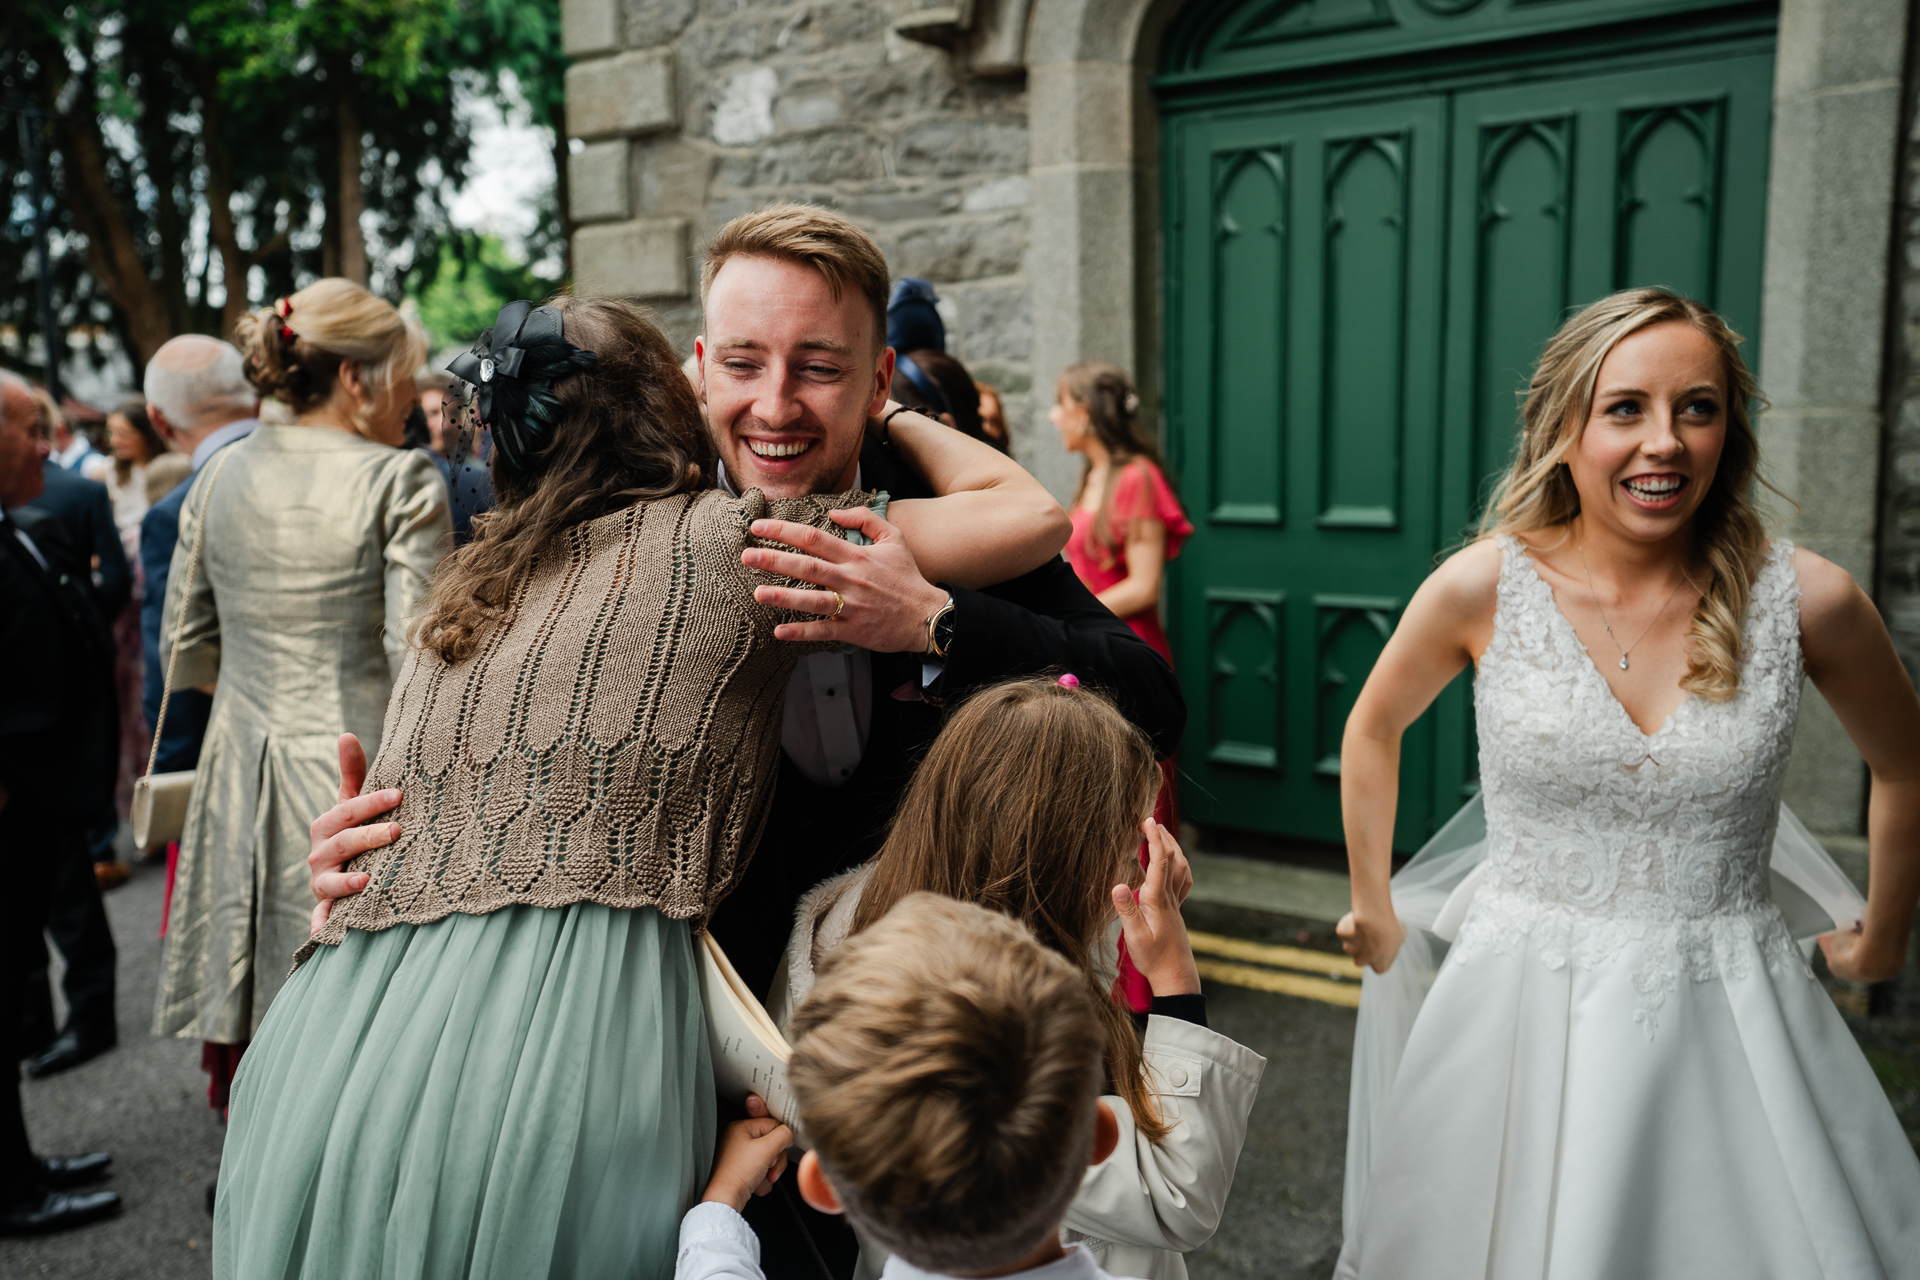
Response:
column 476, row 276
column 233, row 149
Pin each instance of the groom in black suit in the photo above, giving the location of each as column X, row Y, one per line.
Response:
column 792, row 370
column 55, row 691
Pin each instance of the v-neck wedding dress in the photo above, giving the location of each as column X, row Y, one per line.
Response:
column 1625, row 1069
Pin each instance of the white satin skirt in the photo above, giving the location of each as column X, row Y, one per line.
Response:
column 1535, row 1131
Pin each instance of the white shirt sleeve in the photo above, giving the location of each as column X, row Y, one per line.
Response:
column 717, row 1244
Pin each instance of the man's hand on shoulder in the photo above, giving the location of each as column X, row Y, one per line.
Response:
column 886, row 600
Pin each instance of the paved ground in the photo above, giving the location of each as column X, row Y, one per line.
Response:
column 146, row 1101
column 1283, row 1219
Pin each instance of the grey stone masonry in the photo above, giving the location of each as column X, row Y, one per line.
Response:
column 1836, row 125
column 1899, row 594
column 645, row 258
column 821, row 102
column 627, row 94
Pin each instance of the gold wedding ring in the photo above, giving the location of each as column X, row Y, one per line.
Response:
column 839, row 607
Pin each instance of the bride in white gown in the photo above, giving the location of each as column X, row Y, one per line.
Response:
column 1625, row 1068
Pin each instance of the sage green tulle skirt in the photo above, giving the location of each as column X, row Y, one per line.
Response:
column 502, row 1097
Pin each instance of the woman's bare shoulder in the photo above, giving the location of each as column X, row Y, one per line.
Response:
column 1829, row 597
column 1467, row 583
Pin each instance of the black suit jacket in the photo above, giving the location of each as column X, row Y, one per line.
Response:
column 1045, row 620
column 85, row 515
column 57, row 725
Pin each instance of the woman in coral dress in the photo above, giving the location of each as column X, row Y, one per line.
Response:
column 1127, row 523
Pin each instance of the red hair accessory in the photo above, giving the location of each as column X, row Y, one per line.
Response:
column 284, row 309
column 1068, row 681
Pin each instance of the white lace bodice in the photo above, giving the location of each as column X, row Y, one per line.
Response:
column 1599, row 835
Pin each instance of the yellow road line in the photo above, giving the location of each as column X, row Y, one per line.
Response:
column 1322, row 962
column 1286, row 984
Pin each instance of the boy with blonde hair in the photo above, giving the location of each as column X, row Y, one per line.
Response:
column 947, row 1068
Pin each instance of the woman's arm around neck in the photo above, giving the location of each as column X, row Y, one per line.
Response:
column 992, row 521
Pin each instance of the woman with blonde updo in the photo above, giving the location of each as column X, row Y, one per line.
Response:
column 1625, row 1065
column 321, row 535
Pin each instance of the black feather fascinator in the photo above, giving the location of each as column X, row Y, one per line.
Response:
column 512, row 368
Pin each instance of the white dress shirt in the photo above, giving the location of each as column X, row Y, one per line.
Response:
column 218, row 438
column 717, row 1244
column 829, row 702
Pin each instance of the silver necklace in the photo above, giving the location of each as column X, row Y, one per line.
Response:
column 1603, row 613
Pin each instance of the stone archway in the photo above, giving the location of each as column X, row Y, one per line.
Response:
column 1092, row 216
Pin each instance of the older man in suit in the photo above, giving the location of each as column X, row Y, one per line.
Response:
column 57, row 688
column 200, row 400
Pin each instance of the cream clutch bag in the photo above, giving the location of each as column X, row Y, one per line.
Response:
column 160, row 807
column 160, row 799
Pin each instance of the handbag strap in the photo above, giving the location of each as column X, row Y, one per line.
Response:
column 180, row 623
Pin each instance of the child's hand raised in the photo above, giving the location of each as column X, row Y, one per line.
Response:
column 1156, row 935
column 752, row 1156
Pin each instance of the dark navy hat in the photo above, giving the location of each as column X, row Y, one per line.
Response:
column 912, row 322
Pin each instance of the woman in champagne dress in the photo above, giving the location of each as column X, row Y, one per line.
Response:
column 1625, row 1067
column 321, row 536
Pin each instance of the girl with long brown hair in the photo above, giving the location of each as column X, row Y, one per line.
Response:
column 1127, row 523
column 1625, row 1066
column 1032, row 802
column 582, row 744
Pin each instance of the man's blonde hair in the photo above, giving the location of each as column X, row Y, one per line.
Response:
column 814, row 237
column 946, row 1065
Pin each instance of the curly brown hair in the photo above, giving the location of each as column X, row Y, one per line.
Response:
column 630, row 431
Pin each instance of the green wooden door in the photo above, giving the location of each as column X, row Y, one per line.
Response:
column 1360, row 278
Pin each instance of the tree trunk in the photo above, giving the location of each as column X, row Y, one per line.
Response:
column 156, row 91
column 82, row 185
column 111, row 251
column 353, row 245
column 235, row 262
column 557, row 120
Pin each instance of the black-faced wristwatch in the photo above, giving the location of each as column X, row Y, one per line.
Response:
column 940, row 630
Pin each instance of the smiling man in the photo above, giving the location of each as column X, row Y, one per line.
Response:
column 795, row 370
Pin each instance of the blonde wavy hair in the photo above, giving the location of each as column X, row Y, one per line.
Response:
column 1538, row 493
column 294, row 349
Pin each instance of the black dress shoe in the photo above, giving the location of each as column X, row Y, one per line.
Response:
column 44, row 1210
column 61, row 1172
column 35, row 1040
column 69, row 1049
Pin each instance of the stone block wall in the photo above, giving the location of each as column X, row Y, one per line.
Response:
column 692, row 111
column 1899, row 584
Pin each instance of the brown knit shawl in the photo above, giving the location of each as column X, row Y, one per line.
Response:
column 614, row 739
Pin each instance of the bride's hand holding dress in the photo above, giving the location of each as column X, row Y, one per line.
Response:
column 1447, row 625
column 1850, row 658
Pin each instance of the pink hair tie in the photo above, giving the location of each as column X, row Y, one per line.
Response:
column 1068, row 681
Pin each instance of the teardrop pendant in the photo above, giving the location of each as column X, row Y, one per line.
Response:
column 1623, row 662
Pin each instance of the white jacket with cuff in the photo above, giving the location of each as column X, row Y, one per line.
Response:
column 1148, row 1203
